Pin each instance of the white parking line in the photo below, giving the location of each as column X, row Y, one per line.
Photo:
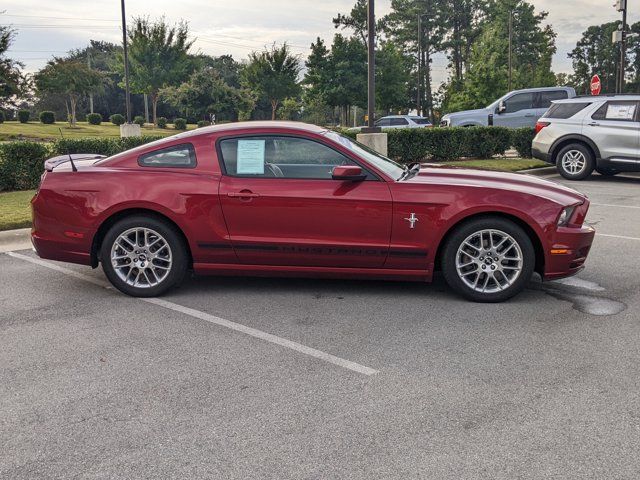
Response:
column 617, row 206
column 283, row 342
column 617, row 236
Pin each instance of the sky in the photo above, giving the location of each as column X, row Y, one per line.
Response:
column 47, row 28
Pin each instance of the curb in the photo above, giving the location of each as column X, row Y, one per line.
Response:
column 19, row 239
column 539, row 172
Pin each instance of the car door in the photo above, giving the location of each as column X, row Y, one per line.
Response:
column 615, row 129
column 519, row 111
column 282, row 207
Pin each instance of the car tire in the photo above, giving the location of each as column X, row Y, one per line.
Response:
column 143, row 256
column 607, row 171
column 477, row 266
column 575, row 161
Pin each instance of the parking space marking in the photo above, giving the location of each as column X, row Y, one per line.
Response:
column 238, row 327
column 327, row 357
column 617, row 206
column 617, row 236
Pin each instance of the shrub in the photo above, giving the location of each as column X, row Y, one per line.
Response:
column 521, row 139
column 23, row 116
column 180, row 124
column 22, row 164
column 94, row 118
column 203, row 123
column 2, row 117
column 47, row 117
column 99, row 146
column 161, row 122
column 117, row 119
column 139, row 119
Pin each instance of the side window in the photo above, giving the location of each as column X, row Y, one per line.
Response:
column 383, row 122
column 620, row 111
column 398, row 122
column 176, row 156
column 274, row 156
column 545, row 98
column 519, row 101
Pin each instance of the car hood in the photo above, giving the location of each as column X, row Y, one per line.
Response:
column 519, row 182
column 465, row 113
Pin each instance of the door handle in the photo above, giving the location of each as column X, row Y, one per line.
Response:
column 594, row 124
column 243, row 194
column 529, row 115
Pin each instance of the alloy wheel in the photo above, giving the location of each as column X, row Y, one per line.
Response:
column 489, row 261
column 141, row 257
column 574, row 162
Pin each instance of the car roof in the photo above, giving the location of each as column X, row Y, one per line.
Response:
column 258, row 124
column 541, row 89
column 402, row 116
column 596, row 98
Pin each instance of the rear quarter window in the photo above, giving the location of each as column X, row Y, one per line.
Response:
column 176, row 156
column 565, row 110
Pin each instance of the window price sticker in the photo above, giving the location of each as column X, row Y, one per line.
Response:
column 251, row 157
column 621, row 112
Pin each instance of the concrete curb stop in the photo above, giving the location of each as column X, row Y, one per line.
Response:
column 540, row 172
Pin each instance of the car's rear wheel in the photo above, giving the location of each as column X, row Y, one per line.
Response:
column 143, row 256
column 607, row 171
column 488, row 259
column 575, row 162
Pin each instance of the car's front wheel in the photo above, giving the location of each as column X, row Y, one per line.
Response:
column 143, row 256
column 575, row 162
column 488, row 259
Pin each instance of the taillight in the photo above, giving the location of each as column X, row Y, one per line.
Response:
column 541, row 125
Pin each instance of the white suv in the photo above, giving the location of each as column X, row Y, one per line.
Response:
column 584, row 134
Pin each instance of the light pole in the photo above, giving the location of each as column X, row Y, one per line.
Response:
column 126, row 63
column 510, row 48
column 371, row 71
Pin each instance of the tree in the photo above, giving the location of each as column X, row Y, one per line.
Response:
column 392, row 78
column 205, row 92
column 158, row 57
column 595, row 53
column 71, row 78
column 12, row 82
column 532, row 51
column 273, row 73
column 401, row 24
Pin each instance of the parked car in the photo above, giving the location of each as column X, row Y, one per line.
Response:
column 400, row 121
column 517, row 109
column 284, row 198
column 590, row 133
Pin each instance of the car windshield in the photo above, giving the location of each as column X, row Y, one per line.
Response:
column 388, row 166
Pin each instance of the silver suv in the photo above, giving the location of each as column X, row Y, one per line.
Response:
column 517, row 109
column 590, row 133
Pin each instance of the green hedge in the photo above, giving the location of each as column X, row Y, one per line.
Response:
column 22, row 163
column 94, row 118
column 521, row 139
column 180, row 124
column 47, row 117
column 440, row 144
column 100, row 146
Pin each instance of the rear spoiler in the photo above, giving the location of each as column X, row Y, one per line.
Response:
column 52, row 163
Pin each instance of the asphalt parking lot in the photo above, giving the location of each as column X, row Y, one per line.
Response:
column 315, row 379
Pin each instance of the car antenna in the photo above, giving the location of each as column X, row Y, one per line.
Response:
column 73, row 165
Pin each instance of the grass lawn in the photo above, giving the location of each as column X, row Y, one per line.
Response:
column 499, row 164
column 37, row 131
column 15, row 211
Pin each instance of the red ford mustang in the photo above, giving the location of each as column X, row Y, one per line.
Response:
column 279, row 198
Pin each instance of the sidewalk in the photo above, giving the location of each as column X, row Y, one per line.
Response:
column 15, row 240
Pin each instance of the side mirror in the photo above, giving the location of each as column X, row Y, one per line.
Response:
column 502, row 107
column 350, row 173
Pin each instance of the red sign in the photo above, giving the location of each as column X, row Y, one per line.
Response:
column 596, row 85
